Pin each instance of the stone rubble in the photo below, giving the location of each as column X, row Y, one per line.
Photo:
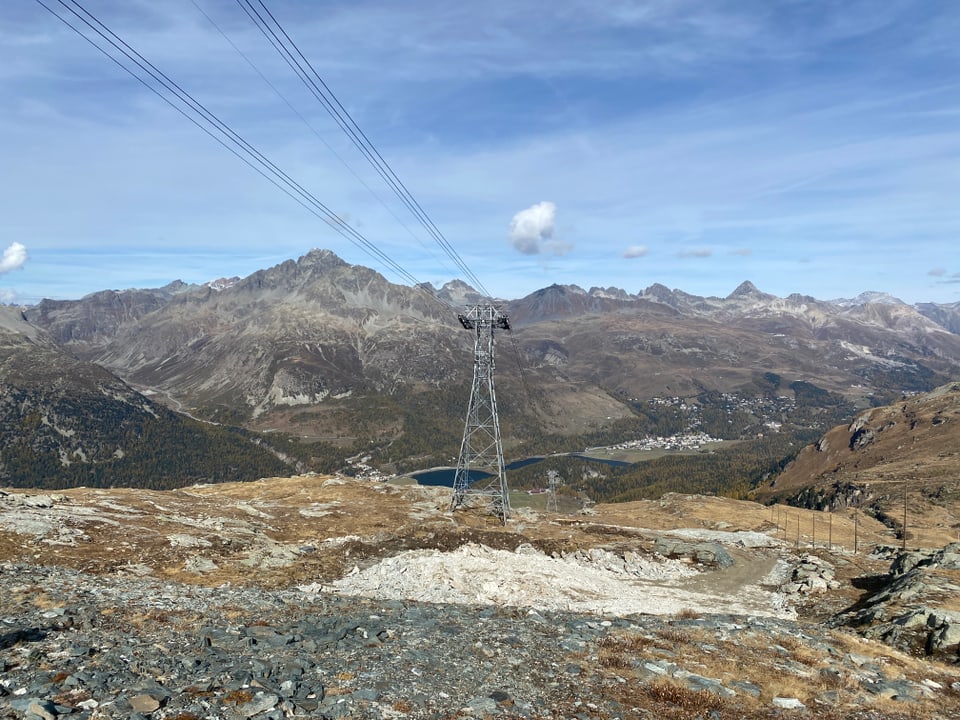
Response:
column 102, row 647
column 811, row 575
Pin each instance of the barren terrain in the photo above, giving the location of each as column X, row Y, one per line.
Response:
column 671, row 608
column 313, row 529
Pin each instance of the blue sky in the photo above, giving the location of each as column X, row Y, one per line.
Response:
column 807, row 146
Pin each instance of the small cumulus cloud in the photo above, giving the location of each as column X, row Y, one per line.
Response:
column 13, row 257
column 696, row 253
column 742, row 252
column 7, row 296
column 531, row 231
column 636, row 251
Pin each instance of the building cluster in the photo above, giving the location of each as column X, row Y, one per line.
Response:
column 360, row 469
column 691, row 441
column 770, row 411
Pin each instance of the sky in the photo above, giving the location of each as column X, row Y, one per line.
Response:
column 809, row 146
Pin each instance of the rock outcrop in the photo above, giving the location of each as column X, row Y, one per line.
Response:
column 915, row 608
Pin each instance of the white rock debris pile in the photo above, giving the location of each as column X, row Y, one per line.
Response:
column 595, row 581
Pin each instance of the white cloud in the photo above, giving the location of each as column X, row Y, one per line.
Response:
column 13, row 257
column 938, row 272
column 742, row 252
column 7, row 296
column 531, row 230
column 636, row 251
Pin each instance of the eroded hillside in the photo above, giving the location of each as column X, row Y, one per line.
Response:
column 891, row 459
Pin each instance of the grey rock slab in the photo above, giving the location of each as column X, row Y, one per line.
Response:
column 746, row 687
column 34, row 707
column 481, row 706
column 145, row 703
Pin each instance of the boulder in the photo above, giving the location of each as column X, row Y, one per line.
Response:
column 705, row 553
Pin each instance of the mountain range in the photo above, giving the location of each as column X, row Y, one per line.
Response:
column 335, row 354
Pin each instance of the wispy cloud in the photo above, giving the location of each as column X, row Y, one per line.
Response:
column 742, row 252
column 636, row 251
column 695, row 253
column 951, row 279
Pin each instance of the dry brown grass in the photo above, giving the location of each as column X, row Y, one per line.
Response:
column 146, row 619
column 802, row 654
column 630, row 643
column 237, row 697
column 671, row 700
column 613, row 660
column 674, row 636
column 44, row 602
column 750, row 657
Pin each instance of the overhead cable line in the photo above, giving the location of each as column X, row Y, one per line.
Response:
column 203, row 118
column 275, row 34
column 312, row 129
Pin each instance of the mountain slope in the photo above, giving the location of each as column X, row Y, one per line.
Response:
column 334, row 351
column 293, row 335
column 65, row 422
column 907, row 452
column 946, row 315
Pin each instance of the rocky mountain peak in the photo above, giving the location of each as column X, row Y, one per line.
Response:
column 868, row 297
column 458, row 292
column 613, row 293
column 658, row 292
column 291, row 274
column 320, row 258
column 745, row 289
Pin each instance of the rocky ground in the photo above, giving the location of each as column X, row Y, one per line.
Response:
column 86, row 646
column 311, row 597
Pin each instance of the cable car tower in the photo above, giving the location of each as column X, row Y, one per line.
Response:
column 480, row 470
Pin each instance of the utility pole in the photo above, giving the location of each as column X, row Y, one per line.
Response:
column 553, row 481
column 904, row 541
column 480, row 470
column 856, row 531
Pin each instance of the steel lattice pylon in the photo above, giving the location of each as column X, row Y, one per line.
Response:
column 481, row 451
column 553, row 482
